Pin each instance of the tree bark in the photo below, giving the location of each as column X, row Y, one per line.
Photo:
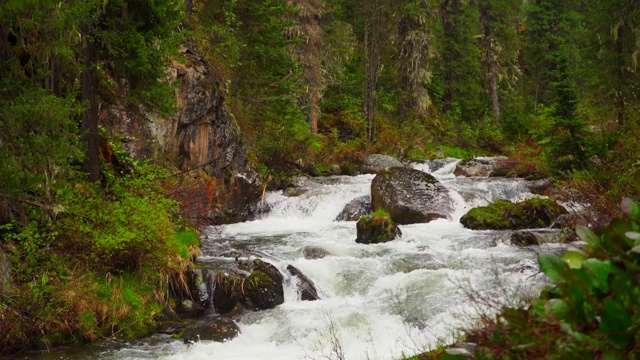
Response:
column 89, row 126
column 493, row 87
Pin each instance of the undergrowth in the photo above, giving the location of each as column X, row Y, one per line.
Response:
column 94, row 264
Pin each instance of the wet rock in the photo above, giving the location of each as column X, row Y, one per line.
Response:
column 219, row 329
column 375, row 163
column 360, row 206
column 314, row 252
column 262, row 292
column 505, row 215
column 227, row 293
column 334, row 169
column 261, row 289
column 516, row 169
column 410, row 196
column 541, row 186
column 293, row 192
column 376, row 229
column 474, row 168
column 306, row 287
column 524, row 238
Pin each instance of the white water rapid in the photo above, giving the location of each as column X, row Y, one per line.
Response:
column 377, row 301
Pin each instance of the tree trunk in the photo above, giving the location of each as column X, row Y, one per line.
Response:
column 89, row 126
column 493, row 86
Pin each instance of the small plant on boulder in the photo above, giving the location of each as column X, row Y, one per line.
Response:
column 377, row 228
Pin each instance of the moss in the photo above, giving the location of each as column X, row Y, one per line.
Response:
column 376, row 229
column 505, row 215
column 259, row 279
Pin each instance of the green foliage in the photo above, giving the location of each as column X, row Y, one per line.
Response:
column 124, row 229
column 38, row 142
column 135, row 38
column 380, row 212
column 461, row 72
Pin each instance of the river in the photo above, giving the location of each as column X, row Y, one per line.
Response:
column 377, row 301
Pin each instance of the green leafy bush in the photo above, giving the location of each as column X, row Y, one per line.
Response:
column 128, row 226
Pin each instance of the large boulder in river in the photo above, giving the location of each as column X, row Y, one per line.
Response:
column 261, row 290
column 505, row 215
column 375, row 163
column 376, row 229
column 410, row 196
column 360, row 206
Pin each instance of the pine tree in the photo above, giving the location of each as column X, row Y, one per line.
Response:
column 461, row 74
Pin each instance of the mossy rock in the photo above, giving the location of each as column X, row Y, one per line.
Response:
column 376, row 229
column 261, row 292
column 505, row 215
column 410, row 196
column 228, row 292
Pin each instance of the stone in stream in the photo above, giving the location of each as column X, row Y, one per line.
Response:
column 474, row 167
column 505, row 215
column 219, row 329
column 360, row 206
column 375, row 163
column 261, row 290
column 376, row 229
column 306, row 287
column 314, row 252
column 410, row 196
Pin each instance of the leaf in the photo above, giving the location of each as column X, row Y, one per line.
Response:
column 588, row 236
column 599, row 271
column 615, row 321
column 553, row 267
column 558, row 308
column 574, row 258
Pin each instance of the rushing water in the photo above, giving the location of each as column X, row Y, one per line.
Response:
column 377, row 301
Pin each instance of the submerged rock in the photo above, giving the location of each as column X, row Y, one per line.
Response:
column 410, row 196
column 314, row 252
column 360, row 206
column 306, row 287
column 219, row 329
column 375, row 163
column 505, row 215
column 376, row 229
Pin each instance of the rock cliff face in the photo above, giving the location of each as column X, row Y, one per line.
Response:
column 202, row 134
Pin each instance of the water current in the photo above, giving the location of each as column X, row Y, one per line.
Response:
column 378, row 301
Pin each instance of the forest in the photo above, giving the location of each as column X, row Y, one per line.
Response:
column 96, row 234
